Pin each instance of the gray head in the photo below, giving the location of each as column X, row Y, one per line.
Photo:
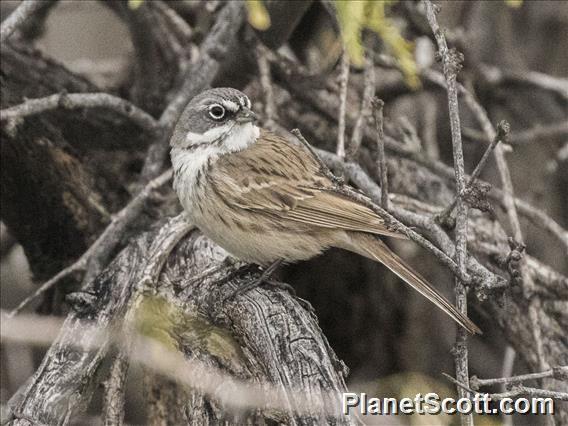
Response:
column 215, row 116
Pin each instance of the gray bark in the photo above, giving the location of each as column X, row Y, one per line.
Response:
column 267, row 336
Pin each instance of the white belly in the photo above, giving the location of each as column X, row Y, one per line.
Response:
column 261, row 247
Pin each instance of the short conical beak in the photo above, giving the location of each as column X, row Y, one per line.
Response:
column 245, row 115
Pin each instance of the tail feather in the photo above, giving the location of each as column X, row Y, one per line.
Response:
column 375, row 249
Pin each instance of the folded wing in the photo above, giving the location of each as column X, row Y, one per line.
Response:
column 281, row 179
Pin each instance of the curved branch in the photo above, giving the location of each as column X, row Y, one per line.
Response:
column 26, row 9
column 99, row 252
column 78, row 101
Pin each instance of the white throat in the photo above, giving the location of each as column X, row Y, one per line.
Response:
column 240, row 137
column 198, row 150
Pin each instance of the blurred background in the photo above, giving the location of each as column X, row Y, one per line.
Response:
column 392, row 340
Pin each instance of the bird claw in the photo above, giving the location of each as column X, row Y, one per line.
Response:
column 253, row 283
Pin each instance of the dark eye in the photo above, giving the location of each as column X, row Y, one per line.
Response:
column 217, row 112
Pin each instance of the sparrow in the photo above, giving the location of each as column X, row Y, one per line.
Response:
column 266, row 200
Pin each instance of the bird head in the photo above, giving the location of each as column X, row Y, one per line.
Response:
column 219, row 117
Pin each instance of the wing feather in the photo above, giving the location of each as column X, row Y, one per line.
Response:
column 276, row 177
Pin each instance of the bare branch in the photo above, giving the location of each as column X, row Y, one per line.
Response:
column 484, row 278
column 378, row 105
column 78, row 266
column 502, row 136
column 549, row 132
column 212, row 52
column 26, row 9
column 99, row 252
column 497, row 76
column 80, row 101
column 510, row 205
column 534, row 214
column 177, row 23
column 559, row 373
column 366, row 108
column 518, row 391
column 266, row 82
column 323, row 167
column 343, row 81
column 451, row 60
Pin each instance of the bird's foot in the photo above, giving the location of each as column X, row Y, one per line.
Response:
column 282, row 286
column 264, row 278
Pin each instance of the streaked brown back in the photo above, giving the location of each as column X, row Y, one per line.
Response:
column 282, row 179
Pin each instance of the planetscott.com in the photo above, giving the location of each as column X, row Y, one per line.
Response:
column 431, row 403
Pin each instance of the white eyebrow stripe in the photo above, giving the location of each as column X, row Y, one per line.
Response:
column 244, row 101
column 230, row 105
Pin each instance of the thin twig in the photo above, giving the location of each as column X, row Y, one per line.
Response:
column 176, row 22
column 429, row 122
column 343, row 81
column 516, row 392
column 502, row 136
column 79, row 101
column 26, row 9
column 323, row 166
column 356, row 174
column 101, row 249
column 378, row 105
column 559, row 373
column 78, row 266
column 451, row 61
column 503, row 129
column 100, row 253
column 510, row 205
column 365, row 111
column 540, row 132
column 359, row 177
column 497, row 76
column 266, row 84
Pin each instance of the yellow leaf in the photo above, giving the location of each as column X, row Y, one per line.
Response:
column 356, row 15
column 514, row 3
column 135, row 4
column 402, row 49
column 351, row 15
column 258, row 16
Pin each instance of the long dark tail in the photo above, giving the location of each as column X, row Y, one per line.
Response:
column 373, row 248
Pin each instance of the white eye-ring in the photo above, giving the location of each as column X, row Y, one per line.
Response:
column 216, row 111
